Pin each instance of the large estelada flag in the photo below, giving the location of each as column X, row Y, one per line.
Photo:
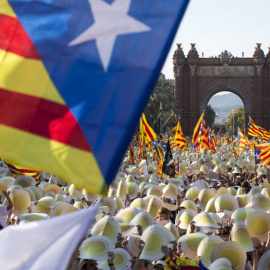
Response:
column 75, row 77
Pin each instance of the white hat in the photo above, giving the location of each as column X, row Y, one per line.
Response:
column 190, row 243
column 240, row 234
column 231, row 250
column 258, row 224
column 206, row 246
column 264, row 262
column 96, row 248
column 154, row 238
column 221, row 264
column 108, row 227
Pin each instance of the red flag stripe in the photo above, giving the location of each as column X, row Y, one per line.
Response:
column 13, row 38
column 41, row 117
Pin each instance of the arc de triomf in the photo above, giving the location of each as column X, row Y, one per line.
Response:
column 197, row 79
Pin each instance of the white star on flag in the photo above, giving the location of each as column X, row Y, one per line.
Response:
column 110, row 21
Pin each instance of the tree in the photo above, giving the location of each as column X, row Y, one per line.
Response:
column 163, row 92
column 210, row 116
column 239, row 120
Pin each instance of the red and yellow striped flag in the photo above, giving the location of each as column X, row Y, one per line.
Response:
column 204, row 136
column 149, row 132
column 50, row 137
column 196, row 132
column 179, row 138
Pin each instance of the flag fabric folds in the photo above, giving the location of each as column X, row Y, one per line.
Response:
column 241, row 140
column 262, row 153
column 46, row 244
column 179, row 138
column 168, row 162
column 254, row 130
column 72, row 93
column 204, row 135
column 196, row 132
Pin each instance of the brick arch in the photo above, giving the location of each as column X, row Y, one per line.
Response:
column 226, row 86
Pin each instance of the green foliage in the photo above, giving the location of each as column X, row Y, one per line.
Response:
column 239, row 120
column 209, row 116
column 163, row 92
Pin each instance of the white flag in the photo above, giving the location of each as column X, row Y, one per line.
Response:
column 47, row 244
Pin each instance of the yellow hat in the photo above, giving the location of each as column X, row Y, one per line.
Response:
column 190, row 243
column 171, row 207
column 144, row 219
column 50, row 194
column 266, row 192
column 258, row 225
column 172, row 228
column 264, row 262
column 186, row 217
column 45, row 205
column 153, row 238
column 133, row 170
column 128, row 229
column 232, row 191
column 130, row 179
column 251, row 158
column 204, row 169
column 25, row 181
column 170, row 190
column 205, row 195
column 95, row 248
column 54, row 188
column 110, row 203
column 216, row 161
column 122, row 189
column 226, row 202
column 192, row 193
column 241, row 214
column 73, row 191
column 222, row 190
column 133, row 190
column 59, row 197
column 33, row 217
column 206, row 246
column 7, row 180
column 231, row 163
column 21, row 201
column 223, row 166
column 260, row 202
column 140, row 204
column 128, row 213
column 119, row 203
column 240, row 234
column 231, row 250
column 79, row 205
column 266, row 183
column 244, row 197
column 122, row 260
column 155, row 190
column 254, row 191
column 133, row 245
column 108, row 227
column 221, row 264
column 188, row 204
column 59, row 206
column 210, row 206
column 204, row 219
column 154, row 205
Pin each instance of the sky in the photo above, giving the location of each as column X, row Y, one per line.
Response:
column 218, row 25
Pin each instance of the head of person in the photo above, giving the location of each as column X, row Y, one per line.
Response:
column 163, row 213
column 89, row 265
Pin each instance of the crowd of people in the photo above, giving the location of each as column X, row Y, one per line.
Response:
column 214, row 214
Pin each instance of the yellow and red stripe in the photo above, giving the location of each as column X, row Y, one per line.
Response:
column 36, row 115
